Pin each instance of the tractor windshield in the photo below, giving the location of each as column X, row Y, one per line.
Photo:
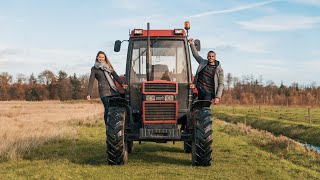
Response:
column 168, row 61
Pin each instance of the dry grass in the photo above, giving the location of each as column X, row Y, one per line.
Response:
column 26, row 125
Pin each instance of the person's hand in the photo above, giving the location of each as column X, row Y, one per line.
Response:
column 216, row 101
column 125, row 86
column 190, row 40
column 89, row 98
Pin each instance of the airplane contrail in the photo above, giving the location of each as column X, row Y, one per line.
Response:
column 235, row 9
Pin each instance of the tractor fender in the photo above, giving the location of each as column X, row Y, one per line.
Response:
column 122, row 102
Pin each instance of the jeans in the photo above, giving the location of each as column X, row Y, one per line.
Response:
column 203, row 95
column 105, row 101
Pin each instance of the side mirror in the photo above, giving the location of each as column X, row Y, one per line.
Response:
column 197, row 44
column 117, row 46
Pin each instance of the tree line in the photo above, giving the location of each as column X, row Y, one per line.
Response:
column 247, row 90
column 252, row 91
column 45, row 86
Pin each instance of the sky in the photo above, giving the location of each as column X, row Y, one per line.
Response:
column 277, row 40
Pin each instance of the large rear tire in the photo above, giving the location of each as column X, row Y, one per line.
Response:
column 202, row 137
column 116, row 144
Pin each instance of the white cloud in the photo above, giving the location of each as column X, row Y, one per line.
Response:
column 281, row 23
column 28, row 60
column 270, row 69
column 308, row 71
column 234, row 9
column 252, row 47
column 135, row 21
column 310, row 63
column 244, row 47
column 157, row 21
column 34, row 60
column 316, row 53
column 2, row 18
column 265, row 65
column 8, row 51
column 276, row 70
column 308, row 2
column 236, row 42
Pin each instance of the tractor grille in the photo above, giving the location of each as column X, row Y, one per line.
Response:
column 151, row 87
column 155, row 111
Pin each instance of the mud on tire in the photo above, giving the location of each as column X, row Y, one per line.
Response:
column 116, row 144
column 202, row 137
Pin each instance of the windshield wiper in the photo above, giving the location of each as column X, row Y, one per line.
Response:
column 145, row 50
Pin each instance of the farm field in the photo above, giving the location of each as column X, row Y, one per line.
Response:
column 279, row 120
column 292, row 114
column 239, row 152
column 24, row 125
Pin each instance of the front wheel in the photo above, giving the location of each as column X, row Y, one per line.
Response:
column 117, row 149
column 202, row 137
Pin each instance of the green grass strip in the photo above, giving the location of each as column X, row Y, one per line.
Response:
column 299, row 131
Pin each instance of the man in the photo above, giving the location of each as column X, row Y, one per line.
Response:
column 209, row 77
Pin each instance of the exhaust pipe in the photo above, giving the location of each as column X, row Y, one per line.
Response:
column 148, row 54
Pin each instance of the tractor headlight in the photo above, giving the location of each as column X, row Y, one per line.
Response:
column 169, row 97
column 138, row 31
column 178, row 31
column 150, row 97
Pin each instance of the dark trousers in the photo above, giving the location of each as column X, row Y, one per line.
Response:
column 105, row 101
column 203, row 95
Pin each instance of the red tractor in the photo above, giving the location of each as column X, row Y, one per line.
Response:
column 160, row 103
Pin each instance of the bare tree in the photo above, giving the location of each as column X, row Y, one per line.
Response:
column 229, row 80
column 46, row 77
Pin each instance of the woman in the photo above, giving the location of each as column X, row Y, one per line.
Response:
column 103, row 72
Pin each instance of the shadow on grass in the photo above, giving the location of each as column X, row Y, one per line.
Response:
column 158, row 153
column 93, row 152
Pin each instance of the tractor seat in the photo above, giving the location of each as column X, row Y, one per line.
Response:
column 160, row 72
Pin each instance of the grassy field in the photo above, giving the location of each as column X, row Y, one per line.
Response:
column 239, row 152
column 276, row 119
column 293, row 114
